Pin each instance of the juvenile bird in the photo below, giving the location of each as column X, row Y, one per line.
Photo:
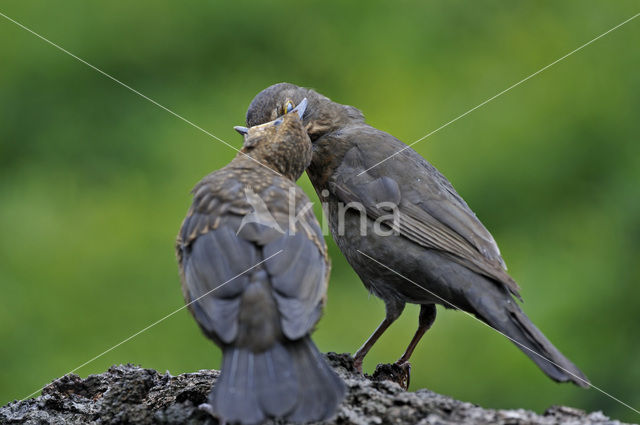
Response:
column 419, row 241
column 255, row 279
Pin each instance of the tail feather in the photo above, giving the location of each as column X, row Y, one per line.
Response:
column 498, row 309
column 275, row 382
column 290, row 381
column 543, row 352
column 232, row 397
column 322, row 388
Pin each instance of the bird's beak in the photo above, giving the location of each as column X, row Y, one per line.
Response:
column 240, row 129
column 302, row 106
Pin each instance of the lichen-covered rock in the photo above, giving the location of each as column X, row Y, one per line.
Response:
column 132, row 395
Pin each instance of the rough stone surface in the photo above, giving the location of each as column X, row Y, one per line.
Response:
column 132, row 395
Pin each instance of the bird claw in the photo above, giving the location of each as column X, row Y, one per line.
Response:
column 400, row 373
column 406, row 373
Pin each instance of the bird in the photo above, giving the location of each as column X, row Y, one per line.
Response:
column 406, row 232
column 257, row 287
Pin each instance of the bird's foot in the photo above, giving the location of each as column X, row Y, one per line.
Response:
column 405, row 366
column 400, row 373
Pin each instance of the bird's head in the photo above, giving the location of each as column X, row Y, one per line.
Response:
column 281, row 144
column 321, row 116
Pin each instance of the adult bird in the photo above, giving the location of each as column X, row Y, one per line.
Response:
column 405, row 230
column 255, row 280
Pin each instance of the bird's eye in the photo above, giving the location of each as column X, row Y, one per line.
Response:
column 288, row 107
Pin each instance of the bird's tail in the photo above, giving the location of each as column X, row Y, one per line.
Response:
column 290, row 380
column 502, row 313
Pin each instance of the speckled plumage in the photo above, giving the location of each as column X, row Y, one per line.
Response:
column 262, row 287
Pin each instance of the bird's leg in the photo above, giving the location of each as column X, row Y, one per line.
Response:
column 359, row 356
column 393, row 311
column 425, row 320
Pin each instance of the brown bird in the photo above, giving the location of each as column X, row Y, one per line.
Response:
column 255, row 280
column 408, row 234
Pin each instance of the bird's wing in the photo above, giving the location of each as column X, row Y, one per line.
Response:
column 218, row 263
column 216, row 267
column 429, row 210
column 300, row 273
column 299, row 279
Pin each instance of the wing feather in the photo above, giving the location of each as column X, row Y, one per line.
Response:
column 211, row 252
column 299, row 279
column 430, row 211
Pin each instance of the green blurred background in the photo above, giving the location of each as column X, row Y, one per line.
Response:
column 95, row 180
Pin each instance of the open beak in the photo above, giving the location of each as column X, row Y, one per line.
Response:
column 302, row 106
